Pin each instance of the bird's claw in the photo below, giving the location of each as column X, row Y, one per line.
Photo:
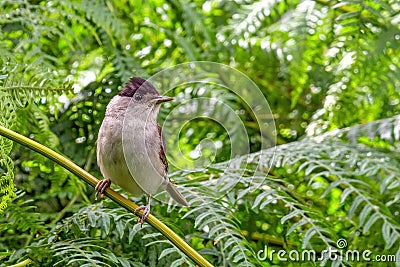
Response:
column 101, row 187
column 145, row 213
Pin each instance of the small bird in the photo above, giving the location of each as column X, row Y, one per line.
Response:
column 131, row 146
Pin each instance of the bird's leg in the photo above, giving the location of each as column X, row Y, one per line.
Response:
column 101, row 187
column 146, row 211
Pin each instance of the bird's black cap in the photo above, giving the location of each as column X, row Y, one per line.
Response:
column 131, row 88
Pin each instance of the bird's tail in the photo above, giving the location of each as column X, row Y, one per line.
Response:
column 175, row 194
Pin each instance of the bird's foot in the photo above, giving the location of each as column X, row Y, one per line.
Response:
column 101, row 187
column 145, row 214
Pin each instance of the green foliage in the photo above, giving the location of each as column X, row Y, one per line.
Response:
column 18, row 91
column 330, row 73
column 20, row 223
column 90, row 235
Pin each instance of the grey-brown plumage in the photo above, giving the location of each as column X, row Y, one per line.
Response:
column 131, row 146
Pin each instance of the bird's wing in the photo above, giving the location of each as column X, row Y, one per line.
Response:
column 161, row 152
column 170, row 187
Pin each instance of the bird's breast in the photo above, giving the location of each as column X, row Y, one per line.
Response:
column 110, row 156
column 127, row 154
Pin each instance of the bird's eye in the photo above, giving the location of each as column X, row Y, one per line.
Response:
column 138, row 97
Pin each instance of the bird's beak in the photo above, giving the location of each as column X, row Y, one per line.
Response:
column 163, row 98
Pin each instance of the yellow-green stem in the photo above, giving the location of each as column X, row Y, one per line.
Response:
column 22, row 263
column 90, row 179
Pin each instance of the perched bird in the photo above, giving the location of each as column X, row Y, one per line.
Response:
column 131, row 146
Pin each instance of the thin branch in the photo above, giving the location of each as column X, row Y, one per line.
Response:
column 22, row 263
column 122, row 201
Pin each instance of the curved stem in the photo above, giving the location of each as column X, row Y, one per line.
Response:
column 122, row 201
column 22, row 263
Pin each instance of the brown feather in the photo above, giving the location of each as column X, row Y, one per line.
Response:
column 161, row 153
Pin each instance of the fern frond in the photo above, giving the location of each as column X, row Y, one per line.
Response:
column 115, row 28
column 384, row 133
column 17, row 90
column 22, row 217
column 251, row 18
column 31, row 26
column 358, row 182
column 93, row 230
column 84, row 251
column 367, row 29
column 215, row 220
